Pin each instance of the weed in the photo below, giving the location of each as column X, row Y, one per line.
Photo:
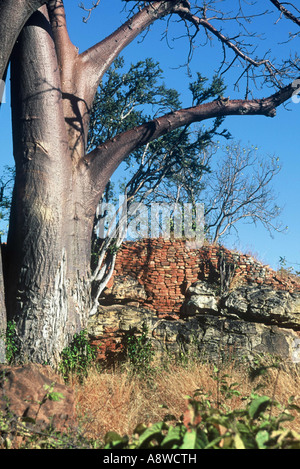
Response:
column 140, row 352
column 78, row 357
column 11, row 342
column 205, row 426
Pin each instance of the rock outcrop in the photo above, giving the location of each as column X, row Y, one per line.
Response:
column 263, row 304
column 228, row 304
column 166, row 268
column 242, row 323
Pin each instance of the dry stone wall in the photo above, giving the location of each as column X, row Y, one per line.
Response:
column 167, row 268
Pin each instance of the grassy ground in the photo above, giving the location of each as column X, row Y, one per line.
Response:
column 117, row 400
column 136, row 392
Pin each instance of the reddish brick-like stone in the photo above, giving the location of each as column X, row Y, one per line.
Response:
column 165, row 267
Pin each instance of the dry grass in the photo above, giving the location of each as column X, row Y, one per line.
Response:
column 116, row 400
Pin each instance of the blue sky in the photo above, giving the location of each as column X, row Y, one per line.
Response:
column 277, row 136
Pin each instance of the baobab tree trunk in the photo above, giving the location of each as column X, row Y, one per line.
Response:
column 20, row 11
column 57, row 188
column 47, row 283
column 48, row 290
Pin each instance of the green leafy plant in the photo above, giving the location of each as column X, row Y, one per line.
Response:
column 51, row 394
column 11, row 342
column 78, row 357
column 204, row 426
column 140, row 352
column 212, row 425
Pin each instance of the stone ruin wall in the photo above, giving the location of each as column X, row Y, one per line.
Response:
column 167, row 268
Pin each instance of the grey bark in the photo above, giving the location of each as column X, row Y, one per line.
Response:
column 50, row 226
column 20, row 11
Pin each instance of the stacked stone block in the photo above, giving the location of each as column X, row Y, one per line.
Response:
column 167, row 268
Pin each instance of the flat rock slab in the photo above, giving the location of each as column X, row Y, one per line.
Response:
column 23, row 393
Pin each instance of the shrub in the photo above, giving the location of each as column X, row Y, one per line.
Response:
column 140, row 352
column 78, row 357
column 11, row 346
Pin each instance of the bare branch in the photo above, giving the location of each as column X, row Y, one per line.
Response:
column 89, row 10
column 97, row 59
column 186, row 14
column 239, row 190
column 287, row 13
column 66, row 51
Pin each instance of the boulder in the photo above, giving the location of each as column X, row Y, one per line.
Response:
column 118, row 317
column 124, row 289
column 110, row 326
column 251, row 302
column 247, row 320
column 263, row 304
column 207, row 335
column 213, row 337
column 201, row 297
column 30, row 392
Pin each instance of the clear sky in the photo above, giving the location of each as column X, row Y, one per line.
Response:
column 277, row 136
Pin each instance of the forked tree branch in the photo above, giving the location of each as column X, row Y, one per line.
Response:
column 186, row 14
column 94, row 62
column 66, row 51
column 97, row 59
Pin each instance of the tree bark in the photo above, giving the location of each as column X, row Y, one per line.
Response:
column 20, row 11
column 48, row 287
column 50, row 231
column 106, row 158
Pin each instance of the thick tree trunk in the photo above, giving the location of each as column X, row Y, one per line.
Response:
column 47, row 282
column 19, row 11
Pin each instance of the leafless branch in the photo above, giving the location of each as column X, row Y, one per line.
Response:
column 287, row 13
column 240, row 190
column 89, row 10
